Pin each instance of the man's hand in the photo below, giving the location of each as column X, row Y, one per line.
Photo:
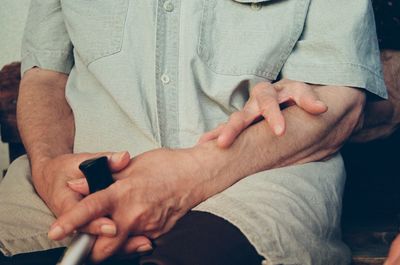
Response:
column 51, row 182
column 265, row 100
column 63, row 171
column 148, row 197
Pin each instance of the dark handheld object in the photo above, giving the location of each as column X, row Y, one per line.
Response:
column 99, row 177
column 97, row 173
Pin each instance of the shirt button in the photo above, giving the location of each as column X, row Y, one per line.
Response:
column 168, row 6
column 165, row 79
column 256, row 6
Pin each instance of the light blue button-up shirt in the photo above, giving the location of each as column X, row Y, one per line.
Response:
column 145, row 74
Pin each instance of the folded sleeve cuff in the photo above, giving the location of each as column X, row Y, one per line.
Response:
column 345, row 74
column 50, row 60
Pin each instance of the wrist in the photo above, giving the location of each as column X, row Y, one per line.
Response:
column 37, row 166
column 41, row 154
column 216, row 167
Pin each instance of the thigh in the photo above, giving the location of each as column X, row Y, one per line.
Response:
column 198, row 238
column 47, row 257
column 291, row 215
column 201, row 238
column 24, row 217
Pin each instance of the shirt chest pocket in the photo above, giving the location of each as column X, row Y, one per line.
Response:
column 95, row 27
column 239, row 37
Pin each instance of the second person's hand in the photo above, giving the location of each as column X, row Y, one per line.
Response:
column 264, row 102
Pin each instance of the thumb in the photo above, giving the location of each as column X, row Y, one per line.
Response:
column 79, row 185
column 118, row 161
column 90, row 208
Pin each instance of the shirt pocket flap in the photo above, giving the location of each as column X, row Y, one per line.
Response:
column 253, row 38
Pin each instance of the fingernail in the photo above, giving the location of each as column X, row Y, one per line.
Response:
column 56, row 232
column 109, row 230
column 144, row 248
column 76, row 181
column 278, row 129
column 221, row 141
column 117, row 157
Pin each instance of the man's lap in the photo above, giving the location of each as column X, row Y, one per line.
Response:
column 278, row 211
column 198, row 238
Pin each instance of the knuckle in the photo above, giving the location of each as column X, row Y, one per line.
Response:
column 118, row 190
column 137, row 219
column 258, row 88
column 89, row 206
column 278, row 87
column 92, row 205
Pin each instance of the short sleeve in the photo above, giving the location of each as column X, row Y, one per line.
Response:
column 46, row 43
column 338, row 46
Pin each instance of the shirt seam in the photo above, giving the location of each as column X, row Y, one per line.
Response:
column 291, row 65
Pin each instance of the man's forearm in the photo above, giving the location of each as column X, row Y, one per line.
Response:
column 45, row 120
column 307, row 138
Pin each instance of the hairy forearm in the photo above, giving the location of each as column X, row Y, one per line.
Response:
column 307, row 138
column 45, row 120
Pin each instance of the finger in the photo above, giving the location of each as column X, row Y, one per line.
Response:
column 118, row 161
column 238, row 122
column 137, row 244
column 307, row 99
column 107, row 246
column 303, row 96
column 211, row 135
column 92, row 207
column 102, row 226
column 269, row 107
column 79, row 185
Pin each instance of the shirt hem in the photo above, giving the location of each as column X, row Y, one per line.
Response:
column 49, row 60
column 345, row 74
